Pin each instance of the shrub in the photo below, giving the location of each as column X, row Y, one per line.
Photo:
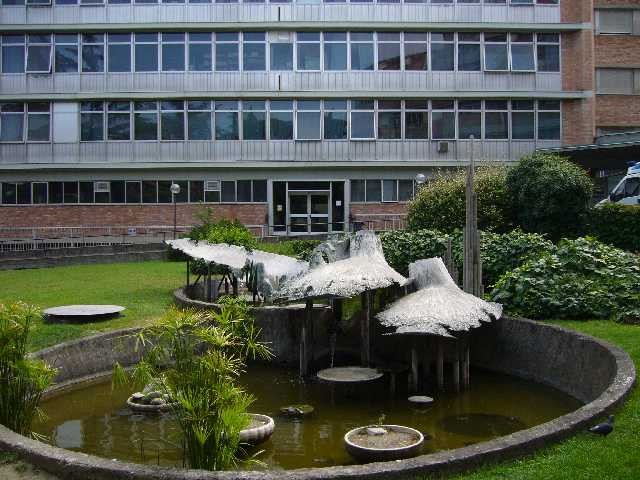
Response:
column 222, row 231
column 502, row 252
column 617, row 225
column 22, row 380
column 300, row 249
column 582, row 279
column 549, row 195
column 205, row 358
column 402, row 247
column 440, row 204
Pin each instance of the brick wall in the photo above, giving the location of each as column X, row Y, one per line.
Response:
column 578, row 126
column 618, row 110
column 378, row 208
column 616, row 3
column 576, row 11
column 617, row 51
column 123, row 215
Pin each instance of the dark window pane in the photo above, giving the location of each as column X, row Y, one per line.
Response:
column 229, row 191
column 55, row 192
column 281, row 56
column 442, row 57
column 92, row 58
column 523, row 125
column 227, row 126
column 119, row 58
column 200, row 57
column 149, row 191
column 146, row 126
column 389, row 125
column 259, row 190
column 469, row 123
column 549, row 125
column 9, row 194
column 173, row 57
column 86, row 192
column 417, row 125
column 70, row 192
column 405, row 190
column 335, row 56
column 199, row 125
column 117, row 191
column 66, row 58
column 40, row 192
column 164, row 191
column 335, row 125
column 496, row 125
column 357, row 191
column 172, row 125
column 244, row 190
column 196, row 191
column 374, row 191
column 253, row 126
column 133, row 192
column 469, row 58
column 281, row 125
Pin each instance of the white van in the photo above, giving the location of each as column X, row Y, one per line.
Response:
column 627, row 192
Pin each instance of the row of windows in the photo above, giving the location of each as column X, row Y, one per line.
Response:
column 625, row 81
column 382, row 190
column 134, row 191
column 306, row 2
column 177, row 120
column 280, row 51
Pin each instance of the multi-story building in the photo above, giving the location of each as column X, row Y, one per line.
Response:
column 302, row 115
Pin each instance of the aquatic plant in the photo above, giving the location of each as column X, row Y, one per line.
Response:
column 23, row 380
column 196, row 359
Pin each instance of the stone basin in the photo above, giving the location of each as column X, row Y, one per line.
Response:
column 406, row 443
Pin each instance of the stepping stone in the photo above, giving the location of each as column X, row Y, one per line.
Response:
column 421, row 400
column 82, row 313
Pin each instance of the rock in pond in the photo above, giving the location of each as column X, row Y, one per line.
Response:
column 297, row 411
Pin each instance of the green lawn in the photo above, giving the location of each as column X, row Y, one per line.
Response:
column 145, row 290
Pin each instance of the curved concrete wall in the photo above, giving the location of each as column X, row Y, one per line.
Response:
column 589, row 369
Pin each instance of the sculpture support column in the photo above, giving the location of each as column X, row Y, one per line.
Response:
column 365, row 329
column 440, row 365
column 304, row 341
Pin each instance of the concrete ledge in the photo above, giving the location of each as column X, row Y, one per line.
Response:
column 532, row 350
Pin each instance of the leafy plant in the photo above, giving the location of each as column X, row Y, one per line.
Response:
column 617, row 225
column 440, row 203
column 502, row 252
column 582, row 278
column 23, row 380
column 196, row 360
column 549, row 195
column 402, row 247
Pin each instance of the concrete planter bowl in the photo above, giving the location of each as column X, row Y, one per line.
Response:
column 595, row 372
column 142, row 408
column 385, row 454
column 259, row 434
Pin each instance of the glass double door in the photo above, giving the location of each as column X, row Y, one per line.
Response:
column 309, row 212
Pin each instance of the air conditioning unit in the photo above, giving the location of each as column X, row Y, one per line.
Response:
column 101, row 187
column 443, row 147
column 212, row 186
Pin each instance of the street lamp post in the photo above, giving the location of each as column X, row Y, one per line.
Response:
column 420, row 179
column 175, row 190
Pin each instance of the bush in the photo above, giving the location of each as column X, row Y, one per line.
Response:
column 22, row 380
column 582, row 279
column 440, row 203
column 617, row 225
column 502, row 252
column 197, row 361
column 402, row 247
column 300, row 249
column 223, row 231
column 549, row 195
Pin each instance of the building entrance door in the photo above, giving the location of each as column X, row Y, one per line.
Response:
column 309, row 212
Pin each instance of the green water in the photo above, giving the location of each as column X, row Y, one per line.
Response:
column 95, row 420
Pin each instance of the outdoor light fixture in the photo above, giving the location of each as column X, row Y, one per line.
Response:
column 175, row 190
column 420, row 178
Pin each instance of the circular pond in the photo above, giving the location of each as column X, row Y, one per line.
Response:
column 93, row 419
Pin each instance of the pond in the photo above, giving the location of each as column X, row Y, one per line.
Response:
column 94, row 419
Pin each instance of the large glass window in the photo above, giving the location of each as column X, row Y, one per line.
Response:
column 389, row 51
column 91, row 121
column 145, row 120
column 374, row 191
column 548, row 52
column 281, row 49
column 66, row 53
column 443, row 119
column 469, row 119
column 362, row 54
column 146, row 48
column 172, row 120
column 254, row 117
column 308, row 49
column 405, row 190
column 469, row 52
column 226, row 124
column 39, row 53
column 11, row 122
column 335, row 50
column 13, row 48
column 442, row 51
column 118, row 120
column 389, row 190
column 415, row 51
column 308, row 120
column 335, row 120
column 254, row 51
column 357, row 190
column 522, row 55
column 362, row 120
column 38, row 122
column 389, row 119
column 496, row 51
column 149, row 191
column 199, row 119
column 200, row 52
column 416, row 119
column 92, row 52
column 227, row 52
column 119, row 52
column 281, row 120
column 173, row 51
column 496, row 119
column 523, row 122
column 548, row 120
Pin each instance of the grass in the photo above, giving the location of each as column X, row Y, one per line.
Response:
column 145, row 289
